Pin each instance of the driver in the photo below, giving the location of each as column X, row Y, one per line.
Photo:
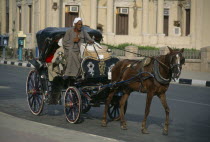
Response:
column 71, row 44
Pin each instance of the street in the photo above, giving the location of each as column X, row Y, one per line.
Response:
column 189, row 112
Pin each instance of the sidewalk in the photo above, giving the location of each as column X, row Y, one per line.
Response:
column 186, row 77
column 21, row 130
column 194, row 78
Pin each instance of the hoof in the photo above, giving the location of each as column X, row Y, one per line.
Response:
column 144, row 131
column 165, row 132
column 123, row 127
column 103, row 124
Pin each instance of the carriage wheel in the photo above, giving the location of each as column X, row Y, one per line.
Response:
column 72, row 106
column 114, row 110
column 34, row 93
column 85, row 104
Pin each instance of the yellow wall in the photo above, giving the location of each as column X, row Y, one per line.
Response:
column 206, row 24
column 85, row 12
column 45, row 16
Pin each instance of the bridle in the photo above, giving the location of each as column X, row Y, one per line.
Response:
column 172, row 66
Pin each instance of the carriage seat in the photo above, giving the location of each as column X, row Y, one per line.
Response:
column 144, row 62
column 93, row 68
column 87, row 50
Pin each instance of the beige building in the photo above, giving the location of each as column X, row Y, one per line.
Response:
column 176, row 23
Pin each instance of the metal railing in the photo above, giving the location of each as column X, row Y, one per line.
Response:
column 12, row 53
column 192, row 54
column 7, row 52
column 117, row 52
column 148, row 52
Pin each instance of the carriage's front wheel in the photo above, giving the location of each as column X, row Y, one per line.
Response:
column 34, row 93
column 114, row 110
column 72, row 108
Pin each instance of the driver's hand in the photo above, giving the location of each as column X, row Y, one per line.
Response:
column 76, row 39
column 90, row 42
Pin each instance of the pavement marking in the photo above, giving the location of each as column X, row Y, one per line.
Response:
column 16, row 63
column 9, row 62
column 199, row 82
column 190, row 102
column 184, row 101
column 105, row 138
column 24, row 64
column 4, row 87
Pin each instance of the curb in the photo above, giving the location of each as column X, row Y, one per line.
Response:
column 21, row 64
column 193, row 82
column 180, row 80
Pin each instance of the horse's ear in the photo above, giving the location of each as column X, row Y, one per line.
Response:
column 171, row 50
column 182, row 50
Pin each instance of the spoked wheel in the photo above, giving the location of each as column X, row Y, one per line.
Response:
column 72, row 108
column 85, row 103
column 114, row 110
column 34, row 93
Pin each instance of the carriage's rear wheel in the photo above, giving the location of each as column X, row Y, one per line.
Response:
column 85, row 104
column 35, row 96
column 72, row 108
column 114, row 110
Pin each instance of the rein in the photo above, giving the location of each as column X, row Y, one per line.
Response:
column 157, row 74
column 147, row 57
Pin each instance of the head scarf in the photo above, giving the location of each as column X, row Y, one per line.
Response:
column 77, row 20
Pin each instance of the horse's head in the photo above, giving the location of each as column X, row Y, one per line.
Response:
column 176, row 60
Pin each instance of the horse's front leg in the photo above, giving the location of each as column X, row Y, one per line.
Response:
column 108, row 101
column 147, row 110
column 122, row 111
column 167, row 110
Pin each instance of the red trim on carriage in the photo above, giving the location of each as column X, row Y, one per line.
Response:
column 49, row 58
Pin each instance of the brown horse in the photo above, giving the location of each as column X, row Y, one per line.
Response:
column 155, row 81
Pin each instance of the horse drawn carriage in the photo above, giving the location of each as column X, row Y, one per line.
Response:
column 79, row 95
column 151, row 75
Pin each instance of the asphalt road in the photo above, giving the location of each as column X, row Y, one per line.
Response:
column 189, row 112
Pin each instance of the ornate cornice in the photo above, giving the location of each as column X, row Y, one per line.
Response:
column 124, row 3
column 73, row 2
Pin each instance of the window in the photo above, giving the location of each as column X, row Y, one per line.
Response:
column 30, row 19
column 70, row 14
column 187, row 22
column 20, row 17
column 166, row 21
column 122, row 21
column 7, row 16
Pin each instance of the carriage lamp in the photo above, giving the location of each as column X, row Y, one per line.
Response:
column 55, row 6
column 109, row 50
column 42, row 76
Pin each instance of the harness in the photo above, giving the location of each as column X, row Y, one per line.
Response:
column 156, row 72
column 138, row 77
column 158, row 76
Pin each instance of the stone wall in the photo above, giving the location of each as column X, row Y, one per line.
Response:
column 152, row 40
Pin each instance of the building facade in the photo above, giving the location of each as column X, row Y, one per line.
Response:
column 176, row 23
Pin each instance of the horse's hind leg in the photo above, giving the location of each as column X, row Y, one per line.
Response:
column 165, row 105
column 108, row 101
column 122, row 114
column 147, row 110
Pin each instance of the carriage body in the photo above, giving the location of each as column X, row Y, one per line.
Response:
column 79, row 95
